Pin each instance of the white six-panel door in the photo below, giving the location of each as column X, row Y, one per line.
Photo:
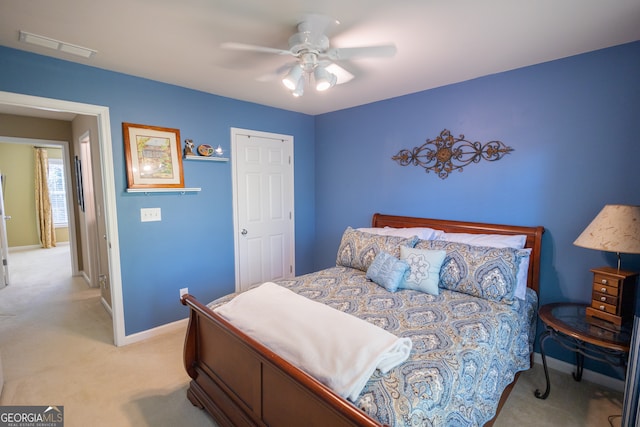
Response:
column 263, row 206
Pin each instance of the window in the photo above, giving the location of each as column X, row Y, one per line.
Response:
column 57, row 193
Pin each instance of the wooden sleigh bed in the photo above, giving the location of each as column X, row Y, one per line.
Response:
column 240, row 382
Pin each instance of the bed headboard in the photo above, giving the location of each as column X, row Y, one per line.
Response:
column 534, row 235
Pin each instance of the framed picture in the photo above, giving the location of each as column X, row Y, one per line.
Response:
column 153, row 156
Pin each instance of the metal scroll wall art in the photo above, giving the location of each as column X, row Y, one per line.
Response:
column 447, row 153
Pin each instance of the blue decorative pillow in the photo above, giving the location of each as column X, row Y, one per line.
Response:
column 481, row 271
column 358, row 249
column 387, row 271
column 424, row 269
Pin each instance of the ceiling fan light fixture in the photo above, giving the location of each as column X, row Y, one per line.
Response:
column 343, row 76
column 316, row 60
column 324, row 79
column 299, row 90
column 293, row 78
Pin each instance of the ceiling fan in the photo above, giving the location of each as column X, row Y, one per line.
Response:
column 314, row 56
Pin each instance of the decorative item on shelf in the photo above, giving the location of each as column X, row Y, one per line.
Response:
column 615, row 229
column 446, row 153
column 205, row 150
column 188, row 147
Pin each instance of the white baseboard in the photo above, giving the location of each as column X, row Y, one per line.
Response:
column 587, row 375
column 23, row 248
column 106, row 307
column 32, row 247
column 154, row 332
column 86, row 278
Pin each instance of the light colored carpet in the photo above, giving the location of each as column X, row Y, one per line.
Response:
column 570, row 403
column 56, row 344
column 56, row 348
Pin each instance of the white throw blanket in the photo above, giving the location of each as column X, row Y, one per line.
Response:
column 338, row 349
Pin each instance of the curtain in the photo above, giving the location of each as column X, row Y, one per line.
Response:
column 43, row 205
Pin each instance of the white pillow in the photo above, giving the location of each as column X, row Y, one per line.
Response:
column 423, row 233
column 523, row 275
column 493, row 240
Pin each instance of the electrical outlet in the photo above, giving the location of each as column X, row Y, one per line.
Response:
column 183, row 291
column 150, row 214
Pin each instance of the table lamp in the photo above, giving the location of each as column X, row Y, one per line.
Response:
column 615, row 229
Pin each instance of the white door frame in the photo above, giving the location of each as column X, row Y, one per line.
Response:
column 236, row 226
column 91, row 234
column 4, row 246
column 106, row 162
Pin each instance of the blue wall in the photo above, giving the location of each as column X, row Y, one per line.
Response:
column 193, row 244
column 574, row 125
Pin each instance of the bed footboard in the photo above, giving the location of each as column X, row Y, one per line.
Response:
column 239, row 382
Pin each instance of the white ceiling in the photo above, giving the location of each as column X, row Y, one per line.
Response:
column 439, row 42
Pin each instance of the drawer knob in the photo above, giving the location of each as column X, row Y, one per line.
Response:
column 603, row 290
column 604, row 281
column 602, row 307
column 603, row 299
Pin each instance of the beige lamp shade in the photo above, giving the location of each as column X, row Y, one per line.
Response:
column 615, row 229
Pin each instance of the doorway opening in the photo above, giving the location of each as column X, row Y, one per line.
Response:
column 18, row 183
column 44, row 107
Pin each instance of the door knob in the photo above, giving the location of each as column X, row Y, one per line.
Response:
column 244, row 232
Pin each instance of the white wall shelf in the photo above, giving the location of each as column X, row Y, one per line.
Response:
column 164, row 190
column 209, row 159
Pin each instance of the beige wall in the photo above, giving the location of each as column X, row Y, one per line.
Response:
column 17, row 164
column 35, row 128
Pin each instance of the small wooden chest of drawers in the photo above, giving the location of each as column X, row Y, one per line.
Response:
column 613, row 295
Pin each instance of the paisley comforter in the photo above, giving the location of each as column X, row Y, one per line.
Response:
column 466, row 350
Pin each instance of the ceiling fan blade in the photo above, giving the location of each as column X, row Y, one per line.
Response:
column 269, row 77
column 254, row 48
column 382, row 51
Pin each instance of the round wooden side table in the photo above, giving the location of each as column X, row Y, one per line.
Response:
column 568, row 325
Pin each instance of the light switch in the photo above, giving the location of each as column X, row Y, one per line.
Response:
column 150, row 214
